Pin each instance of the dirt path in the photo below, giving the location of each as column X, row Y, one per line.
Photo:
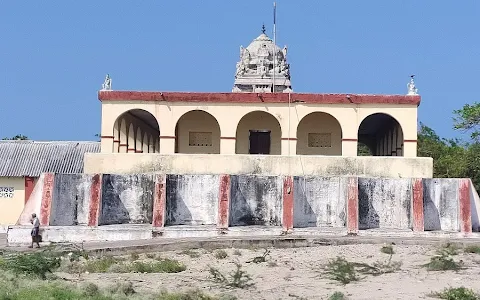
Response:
column 297, row 273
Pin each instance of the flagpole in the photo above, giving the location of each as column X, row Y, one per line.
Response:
column 274, row 42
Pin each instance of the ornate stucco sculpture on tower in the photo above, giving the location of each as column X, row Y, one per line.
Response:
column 261, row 64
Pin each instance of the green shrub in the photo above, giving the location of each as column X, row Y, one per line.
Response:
column 191, row 253
column 460, row 293
column 442, row 263
column 122, row 288
column 337, row 296
column 221, row 254
column 448, row 249
column 236, row 279
column 134, row 256
column 101, row 265
column 34, row 263
column 472, row 249
column 341, row 270
column 388, row 249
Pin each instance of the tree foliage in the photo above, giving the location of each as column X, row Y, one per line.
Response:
column 468, row 119
column 17, row 137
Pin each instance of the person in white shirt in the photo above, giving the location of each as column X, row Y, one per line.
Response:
column 35, row 230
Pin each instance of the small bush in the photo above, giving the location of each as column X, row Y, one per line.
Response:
column 237, row 252
column 472, row 249
column 388, row 249
column 33, row 264
column 122, row 288
column 337, row 296
column 442, row 263
column 221, row 254
column 460, row 293
column 134, row 256
column 189, row 295
column 163, row 266
column 90, row 289
column 448, row 249
column 101, row 265
column 341, row 270
column 191, row 253
column 236, row 279
column 150, row 255
column 263, row 258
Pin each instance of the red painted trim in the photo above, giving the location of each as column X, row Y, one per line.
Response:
column 286, row 139
column 352, row 205
column 349, row 140
column 464, row 203
column 287, row 203
column 123, row 145
column 417, row 205
column 138, row 151
column 253, row 97
column 228, row 138
column 159, row 201
column 409, row 141
column 116, row 141
column 47, row 195
column 167, row 137
column 224, row 202
column 29, row 186
column 107, row 137
column 95, row 200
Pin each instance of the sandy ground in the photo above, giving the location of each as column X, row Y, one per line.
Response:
column 298, row 274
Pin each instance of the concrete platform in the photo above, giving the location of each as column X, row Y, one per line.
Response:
column 20, row 235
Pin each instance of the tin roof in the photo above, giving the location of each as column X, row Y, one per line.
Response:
column 31, row 158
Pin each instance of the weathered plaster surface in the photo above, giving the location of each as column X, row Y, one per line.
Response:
column 256, row 200
column 307, row 165
column 71, row 198
column 384, row 203
column 192, row 199
column 440, row 204
column 319, row 201
column 127, row 199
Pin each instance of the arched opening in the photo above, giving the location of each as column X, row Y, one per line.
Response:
column 197, row 132
column 132, row 127
column 258, row 132
column 319, row 133
column 381, row 134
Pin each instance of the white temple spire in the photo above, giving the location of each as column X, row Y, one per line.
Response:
column 107, row 84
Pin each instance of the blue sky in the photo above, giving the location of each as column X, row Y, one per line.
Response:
column 54, row 54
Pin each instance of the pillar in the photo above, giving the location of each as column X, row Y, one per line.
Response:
column 399, row 142
column 288, row 143
column 352, row 205
column 95, row 200
column 464, row 206
column 47, row 195
column 227, row 144
column 159, row 201
column 138, row 141
column 131, row 139
column 417, row 205
column 106, row 143
column 287, row 222
column 223, row 202
column 389, row 143
column 349, row 147
column 29, row 186
column 167, row 144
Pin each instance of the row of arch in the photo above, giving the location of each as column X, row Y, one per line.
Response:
column 258, row 132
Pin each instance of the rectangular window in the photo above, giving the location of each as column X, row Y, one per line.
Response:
column 320, row 140
column 6, row 192
column 200, row 139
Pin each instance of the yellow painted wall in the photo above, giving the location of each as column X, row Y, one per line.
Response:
column 197, row 121
column 11, row 208
column 258, row 120
column 228, row 116
column 319, row 123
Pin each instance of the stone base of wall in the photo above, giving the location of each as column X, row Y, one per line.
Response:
column 20, row 235
column 299, row 165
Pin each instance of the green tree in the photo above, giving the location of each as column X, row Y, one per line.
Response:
column 468, row 119
column 17, row 137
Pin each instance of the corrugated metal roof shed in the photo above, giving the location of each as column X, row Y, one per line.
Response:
column 31, row 158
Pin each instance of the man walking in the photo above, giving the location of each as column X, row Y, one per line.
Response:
column 35, row 230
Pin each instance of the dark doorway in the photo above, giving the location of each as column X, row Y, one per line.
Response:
column 259, row 142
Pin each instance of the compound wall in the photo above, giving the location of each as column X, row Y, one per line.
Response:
column 230, row 201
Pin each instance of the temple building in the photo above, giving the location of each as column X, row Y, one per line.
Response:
column 261, row 116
